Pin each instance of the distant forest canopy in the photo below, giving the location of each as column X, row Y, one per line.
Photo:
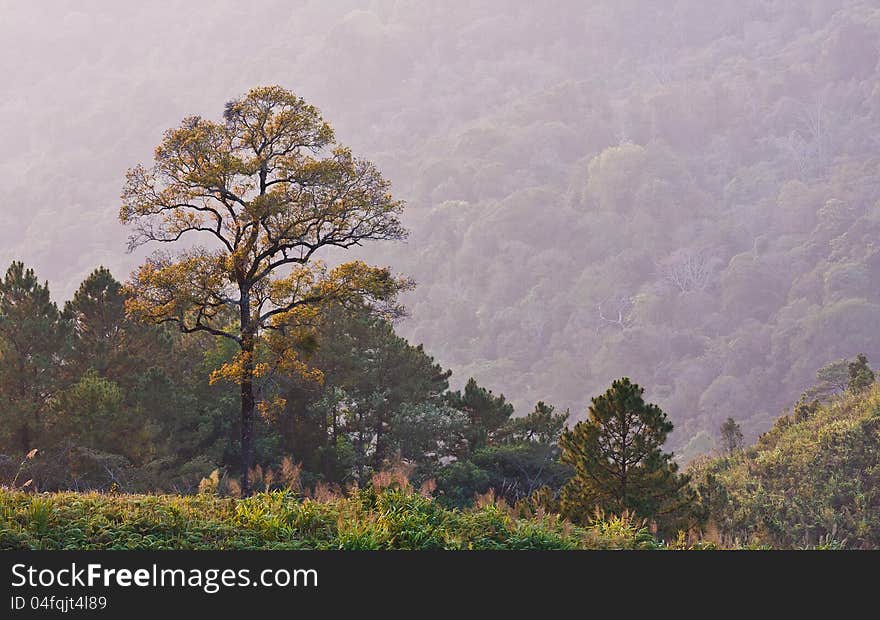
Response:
column 683, row 192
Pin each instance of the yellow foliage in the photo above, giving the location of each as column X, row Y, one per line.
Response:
column 267, row 187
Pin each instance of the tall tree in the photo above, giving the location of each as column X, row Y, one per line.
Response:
column 97, row 318
column 32, row 340
column 617, row 458
column 270, row 189
column 731, row 436
column 401, row 374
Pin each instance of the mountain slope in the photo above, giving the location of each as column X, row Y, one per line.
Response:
column 813, row 478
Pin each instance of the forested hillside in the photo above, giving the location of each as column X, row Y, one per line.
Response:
column 682, row 192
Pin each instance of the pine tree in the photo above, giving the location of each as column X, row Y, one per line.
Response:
column 486, row 413
column 731, row 436
column 32, row 340
column 542, row 426
column 376, row 389
column 104, row 339
column 617, row 459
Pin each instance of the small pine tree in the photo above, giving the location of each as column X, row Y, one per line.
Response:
column 832, row 378
column 731, row 436
column 805, row 408
column 486, row 413
column 618, row 462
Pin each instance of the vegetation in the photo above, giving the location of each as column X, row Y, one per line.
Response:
column 587, row 199
column 391, row 518
column 861, row 377
column 811, row 480
column 731, row 436
column 127, row 406
column 270, row 190
column 617, row 460
column 114, row 402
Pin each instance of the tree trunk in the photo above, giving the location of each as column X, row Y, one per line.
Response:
column 247, row 435
column 247, row 397
column 360, row 449
column 25, row 435
column 25, row 430
column 330, row 458
column 379, row 454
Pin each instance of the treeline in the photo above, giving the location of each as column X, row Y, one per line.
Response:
column 109, row 402
column 94, row 400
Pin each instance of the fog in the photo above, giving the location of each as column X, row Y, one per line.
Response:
column 683, row 192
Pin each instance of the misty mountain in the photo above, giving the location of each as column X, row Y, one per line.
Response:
column 682, row 192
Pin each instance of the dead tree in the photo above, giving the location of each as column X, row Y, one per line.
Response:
column 691, row 270
column 615, row 310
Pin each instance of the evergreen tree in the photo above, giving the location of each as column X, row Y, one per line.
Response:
column 833, row 379
column 398, row 374
column 731, row 436
column 542, row 426
column 486, row 413
column 618, row 461
column 376, row 388
column 97, row 316
column 32, row 341
column 103, row 338
column 805, row 408
column 131, row 394
column 519, row 458
column 92, row 414
column 426, row 434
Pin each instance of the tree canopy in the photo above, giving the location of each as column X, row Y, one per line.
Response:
column 269, row 188
column 617, row 458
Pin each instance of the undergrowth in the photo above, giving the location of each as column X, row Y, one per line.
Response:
column 389, row 518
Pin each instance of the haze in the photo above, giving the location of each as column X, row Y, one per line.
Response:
column 683, row 192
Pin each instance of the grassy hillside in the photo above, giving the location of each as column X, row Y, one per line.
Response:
column 389, row 519
column 813, row 479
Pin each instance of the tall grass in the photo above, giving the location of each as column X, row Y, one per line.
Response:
column 377, row 517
